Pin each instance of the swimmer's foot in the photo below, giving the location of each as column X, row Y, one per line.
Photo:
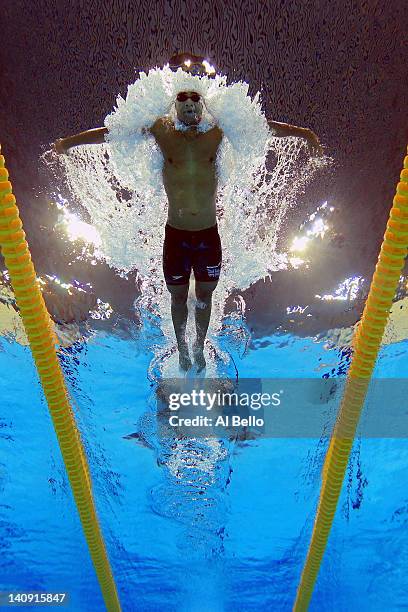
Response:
column 184, row 358
column 199, row 360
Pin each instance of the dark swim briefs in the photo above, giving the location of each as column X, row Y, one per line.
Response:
column 186, row 249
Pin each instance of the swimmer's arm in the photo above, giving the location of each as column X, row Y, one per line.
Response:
column 95, row 136
column 154, row 129
column 282, row 130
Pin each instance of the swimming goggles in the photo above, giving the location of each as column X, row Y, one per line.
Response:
column 183, row 96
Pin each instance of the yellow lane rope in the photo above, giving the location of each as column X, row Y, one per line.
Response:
column 366, row 344
column 42, row 339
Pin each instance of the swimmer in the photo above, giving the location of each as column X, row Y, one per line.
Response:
column 191, row 238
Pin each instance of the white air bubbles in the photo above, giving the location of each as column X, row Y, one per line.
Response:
column 346, row 290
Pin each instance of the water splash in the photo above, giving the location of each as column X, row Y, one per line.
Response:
column 120, row 185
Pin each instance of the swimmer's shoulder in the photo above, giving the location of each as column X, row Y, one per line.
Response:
column 215, row 134
column 160, row 126
column 217, row 131
column 164, row 125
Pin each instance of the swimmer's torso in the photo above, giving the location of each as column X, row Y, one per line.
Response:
column 189, row 175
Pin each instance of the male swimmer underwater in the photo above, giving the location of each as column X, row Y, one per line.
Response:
column 189, row 177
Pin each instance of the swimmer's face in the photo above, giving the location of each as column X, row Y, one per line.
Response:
column 189, row 111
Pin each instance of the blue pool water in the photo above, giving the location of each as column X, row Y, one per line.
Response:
column 241, row 543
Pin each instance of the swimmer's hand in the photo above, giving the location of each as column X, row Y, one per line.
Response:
column 281, row 130
column 315, row 148
column 59, row 146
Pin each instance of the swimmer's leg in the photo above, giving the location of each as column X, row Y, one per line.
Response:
column 179, row 314
column 203, row 291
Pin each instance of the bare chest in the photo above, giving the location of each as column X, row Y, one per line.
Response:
column 181, row 148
